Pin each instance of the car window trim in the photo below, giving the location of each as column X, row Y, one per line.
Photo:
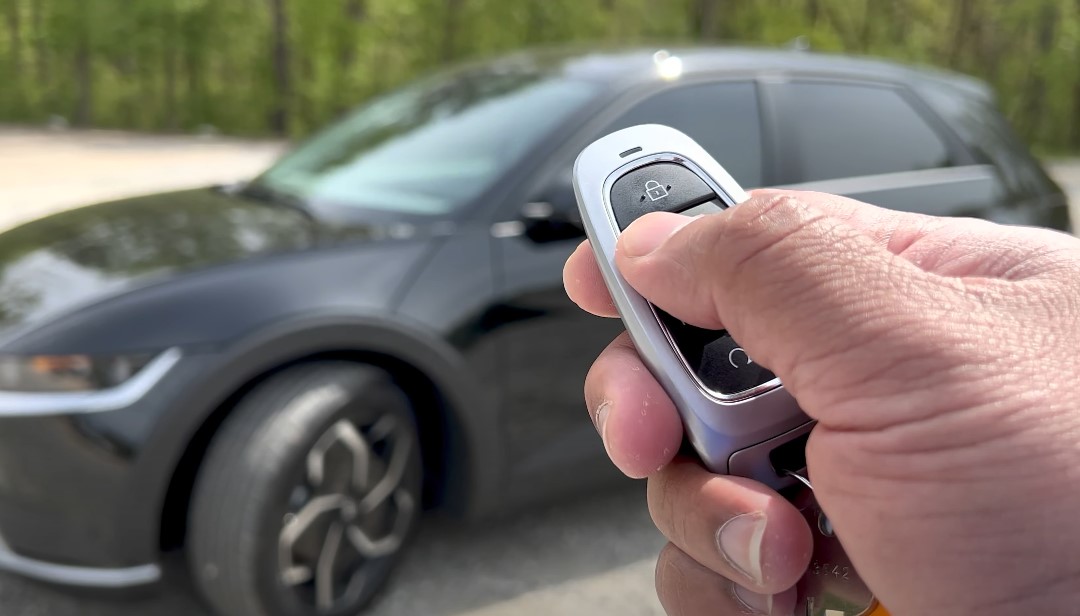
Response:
column 898, row 179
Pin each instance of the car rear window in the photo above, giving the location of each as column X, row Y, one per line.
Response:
column 837, row 130
column 989, row 138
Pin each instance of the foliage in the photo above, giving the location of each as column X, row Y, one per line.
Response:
column 287, row 66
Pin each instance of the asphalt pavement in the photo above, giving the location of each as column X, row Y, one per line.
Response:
column 590, row 556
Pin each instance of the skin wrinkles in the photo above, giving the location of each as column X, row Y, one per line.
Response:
column 940, row 357
column 925, row 403
column 826, row 390
column 768, row 227
column 833, row 288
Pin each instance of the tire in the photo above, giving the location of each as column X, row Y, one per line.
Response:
column 320, row 455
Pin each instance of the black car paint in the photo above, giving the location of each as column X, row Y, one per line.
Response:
column 440, row 298
column 89, row 254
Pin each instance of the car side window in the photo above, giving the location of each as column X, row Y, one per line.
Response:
column 722, row 116
column 838, row 130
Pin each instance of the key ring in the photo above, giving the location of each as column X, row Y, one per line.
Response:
column 798, row 477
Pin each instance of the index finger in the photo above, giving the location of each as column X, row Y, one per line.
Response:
column 585, row 284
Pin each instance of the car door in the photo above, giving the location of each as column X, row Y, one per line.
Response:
column 875, row 142
column 549, row 343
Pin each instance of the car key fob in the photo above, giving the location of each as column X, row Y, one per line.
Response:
column 737, row 415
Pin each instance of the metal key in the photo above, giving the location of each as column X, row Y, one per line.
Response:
column 831, row 586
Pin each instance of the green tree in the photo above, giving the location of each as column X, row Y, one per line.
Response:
column 288, row 66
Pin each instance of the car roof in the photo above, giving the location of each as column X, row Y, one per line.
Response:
column 636, row 65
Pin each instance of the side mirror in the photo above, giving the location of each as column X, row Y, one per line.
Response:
column 554, row 218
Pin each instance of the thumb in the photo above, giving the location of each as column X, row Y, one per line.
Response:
column 807, row 284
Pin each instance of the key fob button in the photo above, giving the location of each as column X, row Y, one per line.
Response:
column 659, row 187
column 715, row 358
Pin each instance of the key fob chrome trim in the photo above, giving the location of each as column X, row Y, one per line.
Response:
column 718, row 425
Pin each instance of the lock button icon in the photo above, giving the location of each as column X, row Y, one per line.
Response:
column 655, row 190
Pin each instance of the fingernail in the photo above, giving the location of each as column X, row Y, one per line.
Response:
column 641, row 238
column 739, row 540
column 601, row 418
column 752, row 601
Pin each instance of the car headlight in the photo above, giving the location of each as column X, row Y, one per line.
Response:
column 60, row 373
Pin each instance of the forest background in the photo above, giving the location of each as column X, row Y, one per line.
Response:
column 286, row 67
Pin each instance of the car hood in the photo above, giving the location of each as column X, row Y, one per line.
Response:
column 74, row 258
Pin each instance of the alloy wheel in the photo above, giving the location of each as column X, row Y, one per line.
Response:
column 351, row 509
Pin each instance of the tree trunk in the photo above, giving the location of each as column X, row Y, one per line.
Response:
column 866, row 31
column 354, row 13
column 450, row 27
column 279, row 116
column 993, row 38
column 1076, row 113
column 899, row 21
column 356, row 10
column 961, row 18
column 84, row 72
column 84, row 87
column 41, row 64
column 536, row 24
column 813, row 10
column 1036, row 86
column 705, row 25
column 191, row 69
column 15, row 28
column 171, row 55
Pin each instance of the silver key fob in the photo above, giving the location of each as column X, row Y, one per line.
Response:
column 737, row 415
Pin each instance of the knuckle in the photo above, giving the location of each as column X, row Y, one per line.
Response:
column 768, row 219
column 758, row 227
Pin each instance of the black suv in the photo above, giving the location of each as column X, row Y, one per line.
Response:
column 279, row 377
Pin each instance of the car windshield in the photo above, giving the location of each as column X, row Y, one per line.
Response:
column 431, row 147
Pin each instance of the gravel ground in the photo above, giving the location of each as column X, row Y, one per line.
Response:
column 592, row 556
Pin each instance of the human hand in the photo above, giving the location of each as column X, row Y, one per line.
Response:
column 941, row 359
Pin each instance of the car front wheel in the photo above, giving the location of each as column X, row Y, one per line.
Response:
column 307, row 495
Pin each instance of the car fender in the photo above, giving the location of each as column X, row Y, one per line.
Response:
column 474, row 477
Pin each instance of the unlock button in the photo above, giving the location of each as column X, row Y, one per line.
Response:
column 659, row 187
